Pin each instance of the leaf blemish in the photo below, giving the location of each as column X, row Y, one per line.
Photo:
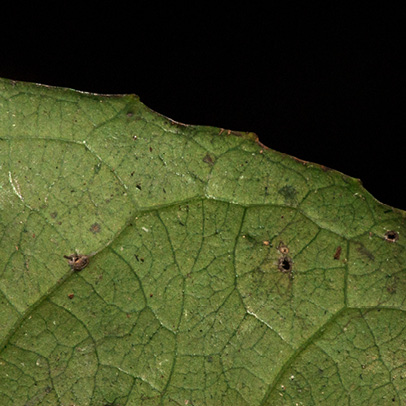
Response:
column 338, row 253
column 208, row 159
column 285, row 265
column 283, row 249
column 391, row 236
column 289, row 194
column 365, row 252
column 97, row 168
column 95, row 228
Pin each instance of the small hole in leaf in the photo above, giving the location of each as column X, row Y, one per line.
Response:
column 285, row 264
column 391, row 236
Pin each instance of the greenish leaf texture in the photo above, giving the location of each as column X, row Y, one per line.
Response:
column 220, row 272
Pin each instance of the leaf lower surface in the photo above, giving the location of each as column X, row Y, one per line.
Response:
column 221, row 272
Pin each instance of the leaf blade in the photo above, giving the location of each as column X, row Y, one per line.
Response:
column 186, row 297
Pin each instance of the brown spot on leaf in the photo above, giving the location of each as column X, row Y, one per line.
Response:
column 282, row 248
column 71, row 296
column 95, row 228
column 208, row 159
column 338, row 253
column 391, row 289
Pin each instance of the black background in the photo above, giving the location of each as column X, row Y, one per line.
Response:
column 325, row 86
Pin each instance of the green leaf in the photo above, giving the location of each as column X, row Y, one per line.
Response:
column 220, row 272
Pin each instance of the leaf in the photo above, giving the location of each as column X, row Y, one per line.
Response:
column 220, row 272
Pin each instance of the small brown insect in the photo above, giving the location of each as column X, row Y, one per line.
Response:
column 77, row 262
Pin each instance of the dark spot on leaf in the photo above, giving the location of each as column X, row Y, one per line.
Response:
column 48, row 389
column 138, row 258
column 365, row 252
column 391, row 236
column 138, row 186
column 71, row 296
column 95, row 228
column 130, row 113
column 289, row 194
column 150, row 149
column 208, row 159
column 285, row 265
column 338, row 252
column 54, row 214
column 97, row 168
column 392, row 284
column 391, row 289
